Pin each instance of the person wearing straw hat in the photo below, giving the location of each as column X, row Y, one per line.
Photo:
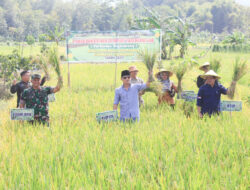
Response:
column 36, row 97
column 136, row 80
column 127, row 97
column 208, row 98
column 169, row 89
column 205, row 67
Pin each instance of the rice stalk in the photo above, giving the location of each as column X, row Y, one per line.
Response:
column 188, row 108
column 180, row 70
column 55, row 62
column 44, row 65
column 240, row 69
column 156, row 88
column 149, row 59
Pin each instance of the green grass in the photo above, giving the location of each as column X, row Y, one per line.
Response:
column 25, row 51
column 165, row 150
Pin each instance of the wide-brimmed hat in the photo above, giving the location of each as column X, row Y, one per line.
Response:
column 133, row 68
column 157, row 75
column 206, row 64
column 210, row 73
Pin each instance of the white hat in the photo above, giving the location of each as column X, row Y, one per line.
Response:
column 132, row 69
column 210, row 73
column 204, row 65
column 157, row 75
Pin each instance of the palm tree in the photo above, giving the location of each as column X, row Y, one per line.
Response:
column 176, row 31
column 237, row 38
column 181, row 33
column 151, row 21
column 57, row 35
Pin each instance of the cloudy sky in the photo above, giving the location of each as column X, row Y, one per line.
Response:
column 243, row 2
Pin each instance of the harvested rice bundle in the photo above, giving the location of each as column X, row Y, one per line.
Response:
column 43, row 62
column 55, row 62
column 240, row 69
column 156, row 88
column 149, row 59
column 180, row 70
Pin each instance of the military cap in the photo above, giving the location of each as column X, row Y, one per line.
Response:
column 36, row 76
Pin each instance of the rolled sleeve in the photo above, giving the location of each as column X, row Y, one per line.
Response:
column 49, row 90
column 141, row 86
column 199, row 98
column 223, row 90
column 117, row 98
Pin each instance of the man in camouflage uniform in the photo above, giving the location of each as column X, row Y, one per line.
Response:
column 136, row 80
column 36, row 97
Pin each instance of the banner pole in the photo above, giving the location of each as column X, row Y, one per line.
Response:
column 230, row 111
column 115, row 74
column 116, row 61
column 160, row 43
column 68, row 75
column 67, row 52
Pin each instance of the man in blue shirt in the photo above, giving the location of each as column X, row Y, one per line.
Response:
column 127, row 96
column 208, row 99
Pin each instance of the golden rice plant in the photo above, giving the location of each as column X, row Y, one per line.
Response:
column 240, row 69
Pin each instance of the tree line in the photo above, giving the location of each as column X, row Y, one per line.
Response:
column 22, row 18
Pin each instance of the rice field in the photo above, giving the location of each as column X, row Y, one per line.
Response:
column 165, row 150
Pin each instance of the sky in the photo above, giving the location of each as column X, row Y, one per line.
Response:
column 243, row 2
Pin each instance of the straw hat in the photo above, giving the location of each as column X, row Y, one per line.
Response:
column 157, row 75
column 206, row 64
column 210, row 73
column 132, row 69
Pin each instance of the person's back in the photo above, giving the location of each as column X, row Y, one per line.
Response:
column 200, row 81
column 205, row 68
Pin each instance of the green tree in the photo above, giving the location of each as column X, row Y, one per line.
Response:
column 104, row 18
column 83, row 16
column 181, row 34
column 237, row 38
column 3, row 23
column 56, row 35
column 30, row 41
